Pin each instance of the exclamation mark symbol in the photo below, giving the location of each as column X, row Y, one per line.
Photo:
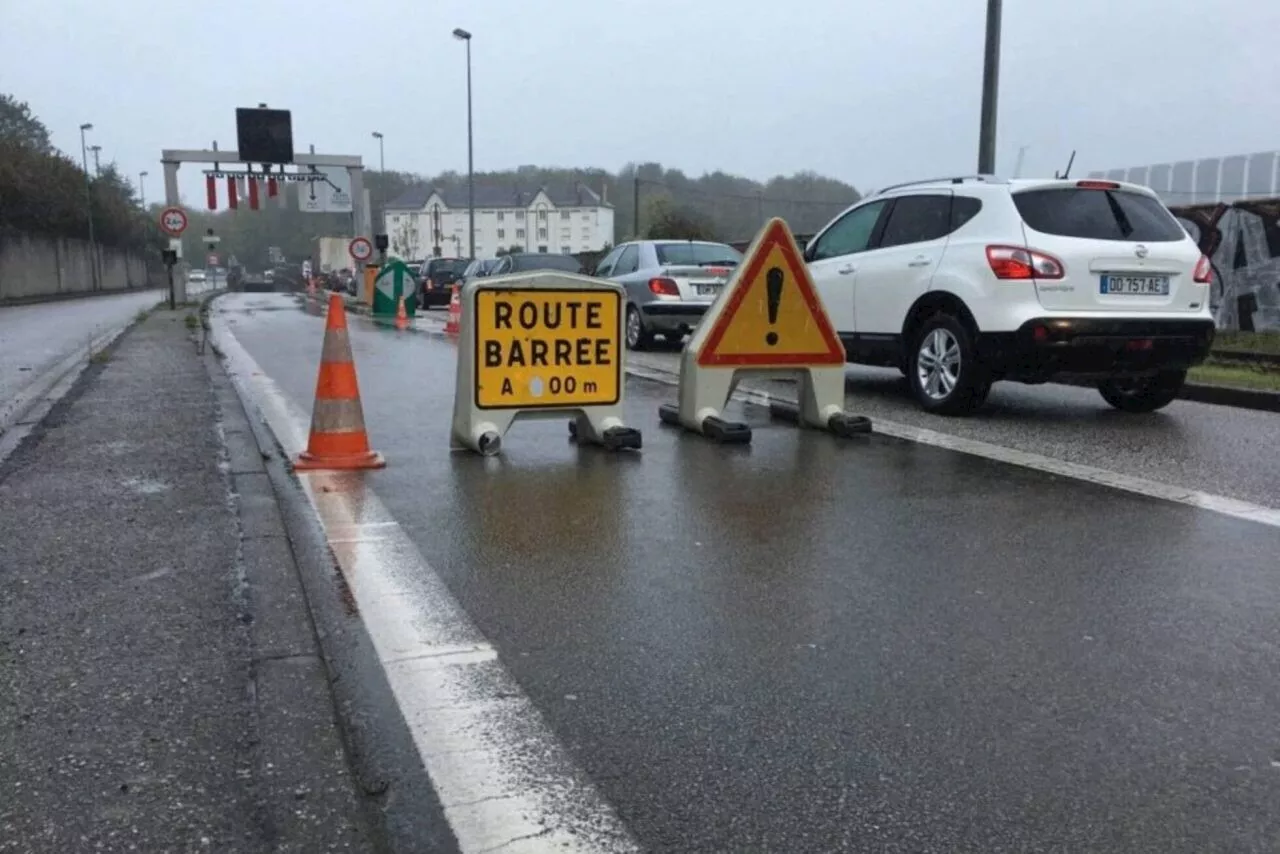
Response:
column 773, row 290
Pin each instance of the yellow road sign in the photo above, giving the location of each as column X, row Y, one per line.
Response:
column 544, row 348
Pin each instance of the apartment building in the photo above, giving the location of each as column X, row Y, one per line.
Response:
column 427, row 220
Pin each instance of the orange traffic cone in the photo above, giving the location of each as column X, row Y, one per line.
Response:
column 338, row 438
column 402, row 316
column 454, row 325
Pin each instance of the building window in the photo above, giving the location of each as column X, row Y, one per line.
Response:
column 486, row 213
column 478, row 250
column 564, row 214
column 586, row 217
column 519, row 234
column 566, row 233
column 542, row 234
column 542, row 249
column 542, row 216
column 519, row 214
column 566, row 250
column 502, row 232
column 501, row 216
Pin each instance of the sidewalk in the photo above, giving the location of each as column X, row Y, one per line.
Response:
column 160, row 684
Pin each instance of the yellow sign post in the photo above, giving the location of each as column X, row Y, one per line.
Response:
column 769, row 320
column 541, row 344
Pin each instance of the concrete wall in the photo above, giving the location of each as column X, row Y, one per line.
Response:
column 33, row 268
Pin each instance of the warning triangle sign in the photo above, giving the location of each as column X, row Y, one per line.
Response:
column 772, row 316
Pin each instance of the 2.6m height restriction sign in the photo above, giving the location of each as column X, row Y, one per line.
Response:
column 173, row 221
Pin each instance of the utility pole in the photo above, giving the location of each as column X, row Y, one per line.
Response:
column 97, row 166
column 635, row 202
column 142, row 188
column 382, row 154
column 88, row 204
column 990, row 91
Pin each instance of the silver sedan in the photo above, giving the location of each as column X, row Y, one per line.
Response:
column 670, row 284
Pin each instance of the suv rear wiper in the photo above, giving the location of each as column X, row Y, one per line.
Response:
column 1126, row 227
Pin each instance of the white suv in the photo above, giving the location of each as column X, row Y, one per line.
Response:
column 960, row 282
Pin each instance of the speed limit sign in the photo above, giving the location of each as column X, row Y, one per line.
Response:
column 173, row 221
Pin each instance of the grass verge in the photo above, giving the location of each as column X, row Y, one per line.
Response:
column 1254, row 342
column 1240, row 376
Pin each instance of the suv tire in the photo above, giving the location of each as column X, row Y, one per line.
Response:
column 1143, row 394
column 942, row 368
column 638, row 338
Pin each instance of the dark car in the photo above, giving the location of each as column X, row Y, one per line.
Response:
column 438, row 276
column 525, row 262
column 479, row 268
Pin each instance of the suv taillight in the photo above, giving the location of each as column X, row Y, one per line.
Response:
column 1018, row 262
column 664, row 287
column 1204, row 271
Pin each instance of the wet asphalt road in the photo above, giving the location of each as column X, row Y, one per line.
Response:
column 813, row 646
column 33, row 338
column 1215, row 449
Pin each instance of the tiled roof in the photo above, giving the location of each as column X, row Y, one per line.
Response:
column 496, row 196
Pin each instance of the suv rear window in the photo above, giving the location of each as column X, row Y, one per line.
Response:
column 1098, row 214
column 445, row 270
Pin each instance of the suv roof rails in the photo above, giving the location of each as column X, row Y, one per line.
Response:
column 946, row 179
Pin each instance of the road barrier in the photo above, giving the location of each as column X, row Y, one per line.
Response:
column 540, row 345
column 338, row 439
column 768, row 320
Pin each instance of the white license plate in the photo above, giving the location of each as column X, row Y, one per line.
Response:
column 1139, row 286
column 707, row 290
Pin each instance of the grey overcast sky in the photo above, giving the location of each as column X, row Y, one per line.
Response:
column 869, row 92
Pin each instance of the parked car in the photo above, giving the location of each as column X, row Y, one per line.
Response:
column 963, row 282
column 437, row 278
column 670, row 284
column 527, row 262
column 196, row 275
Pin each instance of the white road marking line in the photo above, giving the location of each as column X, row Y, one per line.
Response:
column 502, row 778
column 1236, row 508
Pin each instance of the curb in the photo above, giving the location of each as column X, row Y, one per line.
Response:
column 1240, row 398
column 402, row 808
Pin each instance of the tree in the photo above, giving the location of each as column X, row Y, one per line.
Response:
column 404, row 239
column 667, row 221
column 19, row 125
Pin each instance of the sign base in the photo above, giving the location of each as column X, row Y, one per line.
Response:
column 704, row 393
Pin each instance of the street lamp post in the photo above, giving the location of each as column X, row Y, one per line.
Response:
column 382, row 154
column 471, row 173
column 990, row 89
column 88, row 203
column 142, row 187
